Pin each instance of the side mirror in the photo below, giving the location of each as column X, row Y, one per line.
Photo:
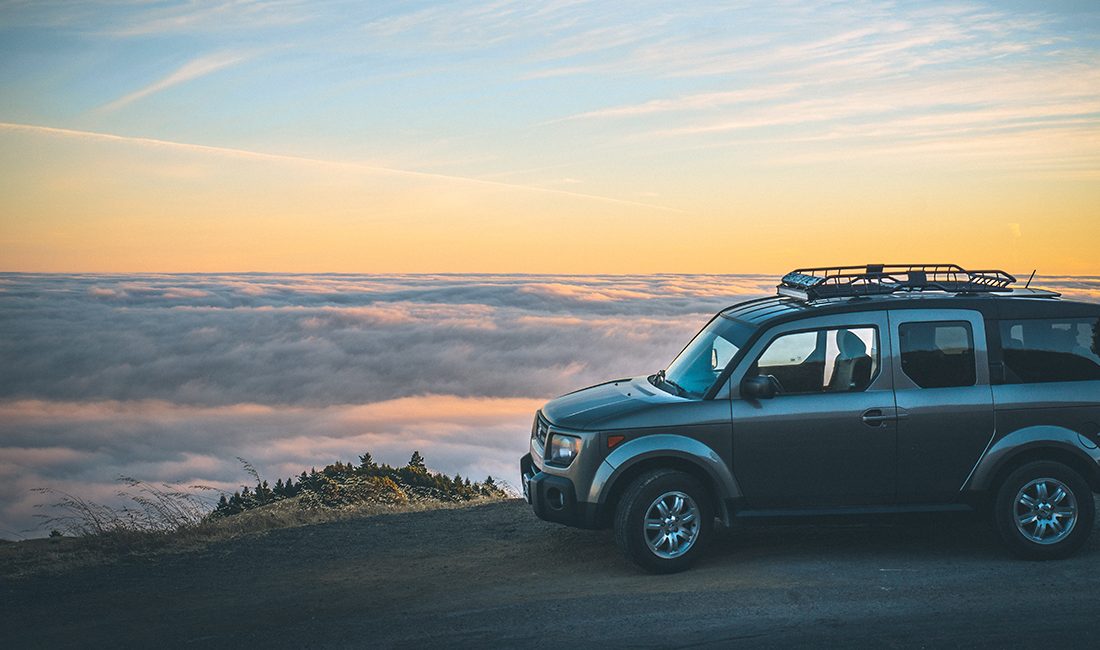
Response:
column 758, row 387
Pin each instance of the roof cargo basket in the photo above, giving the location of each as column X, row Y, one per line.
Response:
column 878, row 279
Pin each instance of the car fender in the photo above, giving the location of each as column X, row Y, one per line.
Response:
column 1022, row 440
column 662, row 445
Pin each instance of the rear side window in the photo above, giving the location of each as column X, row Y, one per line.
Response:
column 1042, row 350
column 938, row 355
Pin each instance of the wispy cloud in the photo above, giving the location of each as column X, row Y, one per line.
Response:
column 1068, row 151
column 826, row 56
column 212, row 16
column 966, row 112
column 300, row 160
column 693, row 102
column 189, row 71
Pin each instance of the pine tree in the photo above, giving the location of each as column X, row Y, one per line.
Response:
column 263, row 493
column 417, row 462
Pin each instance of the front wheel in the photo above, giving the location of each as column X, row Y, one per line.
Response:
column 1044, row 511
column 663, row 521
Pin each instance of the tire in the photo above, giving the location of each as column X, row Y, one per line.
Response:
column 1044, row 511
column 667, row 497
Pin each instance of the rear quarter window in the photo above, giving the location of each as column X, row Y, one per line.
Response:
column 1039, row 350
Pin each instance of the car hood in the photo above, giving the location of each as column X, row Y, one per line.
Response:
column 607, row 405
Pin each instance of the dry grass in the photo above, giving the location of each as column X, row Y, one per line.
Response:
column 288, row 513
column 152, row 509
column 110, row 536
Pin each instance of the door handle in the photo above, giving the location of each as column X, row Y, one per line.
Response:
column 875, row 417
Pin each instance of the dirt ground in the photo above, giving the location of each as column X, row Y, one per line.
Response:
column 495, row 576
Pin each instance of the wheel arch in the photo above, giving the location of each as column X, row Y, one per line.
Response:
column 1032, row 444
column 662, row 451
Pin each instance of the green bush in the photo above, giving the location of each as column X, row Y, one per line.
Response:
column 344, row 484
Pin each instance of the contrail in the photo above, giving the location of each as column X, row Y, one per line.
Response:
column 258, row 155
column 199, row 67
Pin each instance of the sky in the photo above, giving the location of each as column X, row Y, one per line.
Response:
column 547, row 137
column 171, row 378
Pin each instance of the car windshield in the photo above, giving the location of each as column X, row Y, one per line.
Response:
column 694, row 370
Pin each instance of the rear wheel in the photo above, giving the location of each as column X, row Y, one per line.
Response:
column 1044, row 511
column 663, row 521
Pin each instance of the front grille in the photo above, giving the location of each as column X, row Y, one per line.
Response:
column 540, row 429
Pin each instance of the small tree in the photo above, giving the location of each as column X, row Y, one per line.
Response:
column 417, row 462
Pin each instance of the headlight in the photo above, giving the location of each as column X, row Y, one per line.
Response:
column 563, row 449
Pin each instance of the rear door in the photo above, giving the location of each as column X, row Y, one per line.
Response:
column 944, row 400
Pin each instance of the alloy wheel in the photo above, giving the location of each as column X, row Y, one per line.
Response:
column 671, row 524
column 1045, row 511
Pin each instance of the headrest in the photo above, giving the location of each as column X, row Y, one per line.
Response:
column 851, row 346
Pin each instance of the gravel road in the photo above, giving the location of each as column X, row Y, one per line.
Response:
column 495, row 576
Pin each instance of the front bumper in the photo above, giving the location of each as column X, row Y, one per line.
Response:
column 553, row 498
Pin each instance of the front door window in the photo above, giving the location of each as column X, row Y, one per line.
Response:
column 822, row 361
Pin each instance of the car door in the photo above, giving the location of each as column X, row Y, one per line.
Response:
column 944, row 400
column 828, row 437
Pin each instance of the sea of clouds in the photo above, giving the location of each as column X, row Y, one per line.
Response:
column 169, row 378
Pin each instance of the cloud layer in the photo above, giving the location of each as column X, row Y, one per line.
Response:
column 170, row 377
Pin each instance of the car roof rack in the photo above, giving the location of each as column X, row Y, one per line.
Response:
column 878, row 279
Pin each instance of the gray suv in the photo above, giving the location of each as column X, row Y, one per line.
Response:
column 856, row 390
